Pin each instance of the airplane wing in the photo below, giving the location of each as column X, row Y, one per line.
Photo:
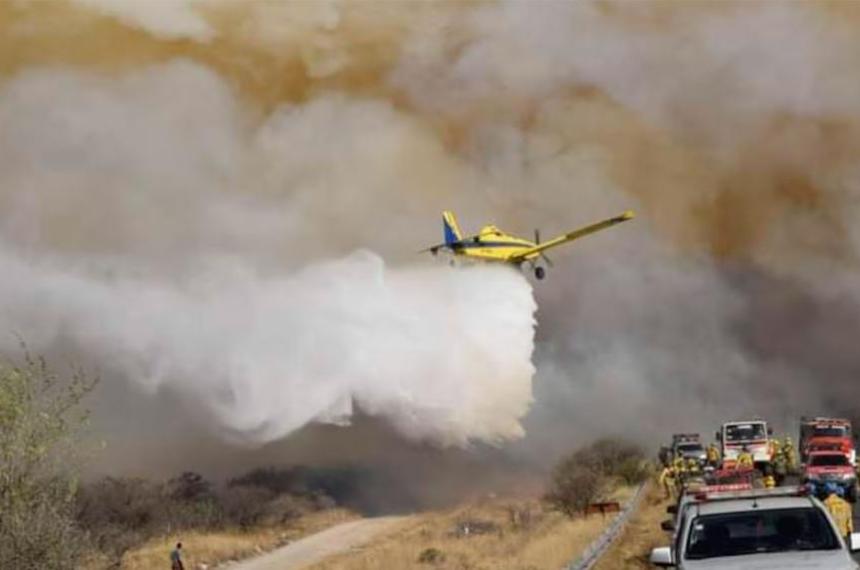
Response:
column 575, row 234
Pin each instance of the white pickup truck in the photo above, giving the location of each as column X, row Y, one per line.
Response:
column 759, row 529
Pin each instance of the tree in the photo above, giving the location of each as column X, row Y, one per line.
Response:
column 40, row 416
column 583, row 476
column 574, row 486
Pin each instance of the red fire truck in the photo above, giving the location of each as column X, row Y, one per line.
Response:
column 826, row 434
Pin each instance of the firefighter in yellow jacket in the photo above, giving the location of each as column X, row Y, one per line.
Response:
column 668, row 480
column 713, row 455
column 745, row 459
column 839, row 508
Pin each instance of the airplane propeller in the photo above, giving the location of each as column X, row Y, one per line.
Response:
column 542, row 254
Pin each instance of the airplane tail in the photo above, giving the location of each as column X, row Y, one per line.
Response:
column 450, row 228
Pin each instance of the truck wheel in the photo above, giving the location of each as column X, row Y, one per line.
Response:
column 851, row 493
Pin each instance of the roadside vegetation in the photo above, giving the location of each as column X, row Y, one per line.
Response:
column 492, row 533
column 40, row 416
column 50, row 519
column 257, row 511
column 642, row 533
column 592, row 474
column 508, row 533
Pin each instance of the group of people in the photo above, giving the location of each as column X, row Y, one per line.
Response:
column 678, row 471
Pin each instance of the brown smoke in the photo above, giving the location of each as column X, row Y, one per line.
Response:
column 734, row 127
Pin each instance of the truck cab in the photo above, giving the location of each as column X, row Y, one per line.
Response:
column 754, row 435
column 825, row 434
column 689, row 446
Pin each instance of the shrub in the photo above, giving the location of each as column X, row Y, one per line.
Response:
column 39, row 418
column 574, row 486
column 431, row 556
column 244, row 505
column 582, row 477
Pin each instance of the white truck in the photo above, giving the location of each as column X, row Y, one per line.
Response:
column 759, row 529
column 752, row 435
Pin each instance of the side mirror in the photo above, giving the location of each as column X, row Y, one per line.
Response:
column 672, row 510
column 668, row 526
column 854, row 542
column 662, row 556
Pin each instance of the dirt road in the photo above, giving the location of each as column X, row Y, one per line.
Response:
column 319, row 546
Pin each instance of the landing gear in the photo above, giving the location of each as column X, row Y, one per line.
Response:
column 540, row 273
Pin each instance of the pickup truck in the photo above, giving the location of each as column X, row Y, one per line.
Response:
column 831, row 467
column 761, row 529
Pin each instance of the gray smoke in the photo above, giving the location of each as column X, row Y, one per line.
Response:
column 276, row 137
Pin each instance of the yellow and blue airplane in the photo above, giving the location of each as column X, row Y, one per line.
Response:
column 492, row 244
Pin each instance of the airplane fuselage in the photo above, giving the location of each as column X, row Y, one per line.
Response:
column 492, row 244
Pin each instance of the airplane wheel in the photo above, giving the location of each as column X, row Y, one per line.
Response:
column 540, row 273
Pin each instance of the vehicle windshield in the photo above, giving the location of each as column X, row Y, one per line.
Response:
column 831, row 431
column 755, row 532
column 688, row 447
column 745, row 432
column 831, row 459
column 824, row 447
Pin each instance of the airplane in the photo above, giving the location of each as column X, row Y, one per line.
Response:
column 492, row 244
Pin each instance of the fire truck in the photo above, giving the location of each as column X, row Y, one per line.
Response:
column 754, row 435
column 826, row 434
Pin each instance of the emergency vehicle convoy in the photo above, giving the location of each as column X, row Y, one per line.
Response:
column 731, row 512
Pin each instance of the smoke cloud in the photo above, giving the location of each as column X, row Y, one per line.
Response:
column 222, row 152
column 266, row 356
column 139, row 275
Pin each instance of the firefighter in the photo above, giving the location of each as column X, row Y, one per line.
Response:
column 665, row 456
column 790, row 455
column 693, row 467
column 680, row 467
column 780, row 467
column 745, row 459
column 769, row 481
column 713, row 455
column 839, row 508
column 667, row 480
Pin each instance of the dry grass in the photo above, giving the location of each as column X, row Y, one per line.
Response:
column 643, row 532
column 200, row 548
column 547, row 541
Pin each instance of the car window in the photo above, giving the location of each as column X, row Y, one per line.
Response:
column 690, row 447
column 753, row 532
column 829, row 460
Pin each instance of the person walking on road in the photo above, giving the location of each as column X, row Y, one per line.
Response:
column 176, row 558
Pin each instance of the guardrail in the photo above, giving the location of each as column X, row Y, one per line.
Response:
column 602, row 543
